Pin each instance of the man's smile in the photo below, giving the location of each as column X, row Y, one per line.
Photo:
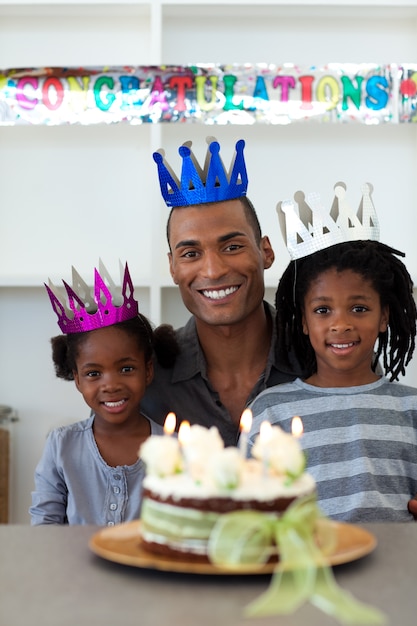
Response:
column 218, row 294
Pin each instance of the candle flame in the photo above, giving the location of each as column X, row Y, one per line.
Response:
column 246, row 421
column 184, row 433
column 170, row 423
column 297, row 427
column 265, row 432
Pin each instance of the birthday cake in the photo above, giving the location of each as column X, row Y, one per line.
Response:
column 190, row 487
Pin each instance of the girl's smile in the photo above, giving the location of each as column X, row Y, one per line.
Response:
column 112, row 374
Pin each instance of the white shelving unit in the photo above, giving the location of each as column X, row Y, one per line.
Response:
column 72, row 194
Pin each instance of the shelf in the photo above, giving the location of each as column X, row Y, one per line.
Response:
column 76, row 7
column 63, row 39
column 300, row 10
column 216, row 8
column 279, row 34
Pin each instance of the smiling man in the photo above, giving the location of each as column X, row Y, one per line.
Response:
column 217, row 257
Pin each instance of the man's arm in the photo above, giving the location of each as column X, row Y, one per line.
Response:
column 412, row 507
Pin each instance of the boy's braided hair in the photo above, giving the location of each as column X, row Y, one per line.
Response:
column 377, row 263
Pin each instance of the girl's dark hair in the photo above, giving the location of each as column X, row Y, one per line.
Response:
column 377, row 263
column 160, row 342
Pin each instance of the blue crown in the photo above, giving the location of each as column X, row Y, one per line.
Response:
column 202, row 186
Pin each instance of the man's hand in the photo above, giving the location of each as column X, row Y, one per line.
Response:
column 412, row 507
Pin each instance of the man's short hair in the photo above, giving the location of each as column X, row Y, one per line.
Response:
column 250, row 214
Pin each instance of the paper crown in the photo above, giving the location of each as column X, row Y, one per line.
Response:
column 88, row 309
column 202, row 185
column 308, row 227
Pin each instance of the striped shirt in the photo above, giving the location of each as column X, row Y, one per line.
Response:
column 360, row 443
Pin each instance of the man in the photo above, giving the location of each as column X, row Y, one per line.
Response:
column 412, row 507
column 217, row 257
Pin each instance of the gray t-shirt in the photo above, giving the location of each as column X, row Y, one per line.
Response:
column 186, row 390
column 360, row 442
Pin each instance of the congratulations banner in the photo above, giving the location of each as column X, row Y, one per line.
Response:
column 210, row 94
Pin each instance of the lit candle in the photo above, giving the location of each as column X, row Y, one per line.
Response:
column 170, row 423
column 184, row 433
column 297, row 428
column 245, row 426
column 265, row 434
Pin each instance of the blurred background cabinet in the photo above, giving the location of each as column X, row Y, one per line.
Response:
column 69, row 194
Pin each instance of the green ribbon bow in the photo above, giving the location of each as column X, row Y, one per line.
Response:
column 304, row 538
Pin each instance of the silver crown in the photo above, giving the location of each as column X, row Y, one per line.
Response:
column 308, row 227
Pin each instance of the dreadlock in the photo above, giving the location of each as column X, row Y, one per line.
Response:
column 388, row 276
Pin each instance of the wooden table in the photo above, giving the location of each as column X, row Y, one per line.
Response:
column 50, row 577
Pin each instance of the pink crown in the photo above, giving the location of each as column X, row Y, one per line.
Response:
column 88, row 310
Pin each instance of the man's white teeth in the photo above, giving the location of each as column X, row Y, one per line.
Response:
column 221, row 293
column 112, row 405
column 342, row 345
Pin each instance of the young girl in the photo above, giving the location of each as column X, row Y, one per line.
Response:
column 340, row 311
column 90, row 472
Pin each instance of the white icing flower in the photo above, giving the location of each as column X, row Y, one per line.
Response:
column 281, row 452
column 202, row 444
column 162, row 455
column 202, row 438
column 225, row 468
